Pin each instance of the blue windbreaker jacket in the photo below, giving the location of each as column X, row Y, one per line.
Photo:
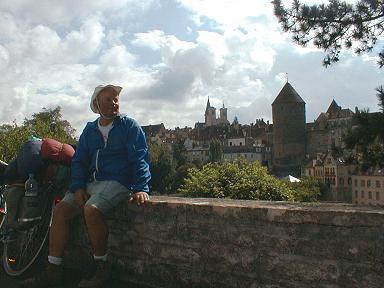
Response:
column 123, row 158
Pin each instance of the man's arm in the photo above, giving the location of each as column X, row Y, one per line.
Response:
column 139, row 161
column 79, row 166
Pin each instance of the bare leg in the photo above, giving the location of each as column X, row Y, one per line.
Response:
column 59, row 231
column 97, row 229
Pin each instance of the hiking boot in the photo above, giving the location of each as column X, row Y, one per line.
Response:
column 52, row 276
column 98, row 277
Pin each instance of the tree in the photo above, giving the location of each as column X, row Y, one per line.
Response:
column 240, row 180
column 180, row 174
column 215, row 150
column 179, row 153
column 334, row 26
column 45, row 124
column 161, row 167
column 307, row 190
column 49, row 124
column 366, row 138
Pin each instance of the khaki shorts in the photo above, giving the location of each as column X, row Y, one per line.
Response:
column 104, row 195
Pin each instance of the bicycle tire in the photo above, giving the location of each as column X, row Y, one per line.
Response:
column 3, row 210
column 20, row 255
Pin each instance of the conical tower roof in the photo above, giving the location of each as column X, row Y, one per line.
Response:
column 333, row 108
column 288, row 95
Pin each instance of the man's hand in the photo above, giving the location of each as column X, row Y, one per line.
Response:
column 139, row 198
column 81, row 196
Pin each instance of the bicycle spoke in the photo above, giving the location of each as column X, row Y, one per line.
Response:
column 21, row 255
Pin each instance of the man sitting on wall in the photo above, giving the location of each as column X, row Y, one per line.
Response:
column 110, row 165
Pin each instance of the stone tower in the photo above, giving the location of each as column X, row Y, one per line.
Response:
column 288, row 114
column 223, row 115
column 210, row 115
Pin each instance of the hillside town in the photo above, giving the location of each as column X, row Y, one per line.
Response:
column 289, row 147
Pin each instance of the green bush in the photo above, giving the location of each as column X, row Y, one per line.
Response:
column 242, row 180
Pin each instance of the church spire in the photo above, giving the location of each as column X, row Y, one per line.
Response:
column 208, row 104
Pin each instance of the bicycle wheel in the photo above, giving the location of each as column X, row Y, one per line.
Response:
column 3, row 210
column 21, row 254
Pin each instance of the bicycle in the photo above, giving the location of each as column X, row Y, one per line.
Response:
column 22, row 253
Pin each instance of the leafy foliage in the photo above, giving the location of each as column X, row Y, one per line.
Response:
column 215, row 150
column 334, row 26
column 45, row 124
column 178, row 150
column 162, row 168
column 307, row 190
column 366, row 138
column 242, row 180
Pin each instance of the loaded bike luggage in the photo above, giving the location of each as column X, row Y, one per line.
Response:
column 31, row 185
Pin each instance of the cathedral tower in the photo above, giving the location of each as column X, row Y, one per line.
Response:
column 210, row 115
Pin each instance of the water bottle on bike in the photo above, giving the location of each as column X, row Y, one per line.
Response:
column 30, row 208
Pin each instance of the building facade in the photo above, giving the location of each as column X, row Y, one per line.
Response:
column 368, row 189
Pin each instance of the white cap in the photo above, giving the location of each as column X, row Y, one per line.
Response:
column 98, row 89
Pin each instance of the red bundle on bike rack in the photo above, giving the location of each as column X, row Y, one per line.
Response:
column 56, row 151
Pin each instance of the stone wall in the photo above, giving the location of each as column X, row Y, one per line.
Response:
column 179, row 242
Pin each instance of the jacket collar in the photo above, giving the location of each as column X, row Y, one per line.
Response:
column 116, row 121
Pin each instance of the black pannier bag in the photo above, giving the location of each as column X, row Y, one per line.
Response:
column 30, row 208
column 24, row 210
column 13, row 195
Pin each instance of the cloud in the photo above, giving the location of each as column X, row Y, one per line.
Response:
column 37, row 58
column 57, row 13
column 54, row 53
column 228, row 14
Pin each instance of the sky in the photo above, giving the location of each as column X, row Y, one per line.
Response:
column 169, row 56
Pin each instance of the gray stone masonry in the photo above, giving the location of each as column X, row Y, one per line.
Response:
column 184, row 242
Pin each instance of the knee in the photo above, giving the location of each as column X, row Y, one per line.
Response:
column 63, row 212
column 93, row 215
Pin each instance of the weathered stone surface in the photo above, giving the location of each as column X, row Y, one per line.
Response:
column 180, row 242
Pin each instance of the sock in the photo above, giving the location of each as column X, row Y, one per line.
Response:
column 55, row 260
column 100, row 258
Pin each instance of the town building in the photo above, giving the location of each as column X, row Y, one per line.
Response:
column 368, row 188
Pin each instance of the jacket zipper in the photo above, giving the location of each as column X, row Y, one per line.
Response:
column 97, row 153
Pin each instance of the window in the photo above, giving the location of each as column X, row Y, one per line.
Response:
column 362, row 183
column 369, row 195
column 230, row 143
column 349, row 180
column 241, row 144
column 356, row 182
column 377, row 183
column 362, row 194
column 377, row 195
column 356, row 194
column 368, row 183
